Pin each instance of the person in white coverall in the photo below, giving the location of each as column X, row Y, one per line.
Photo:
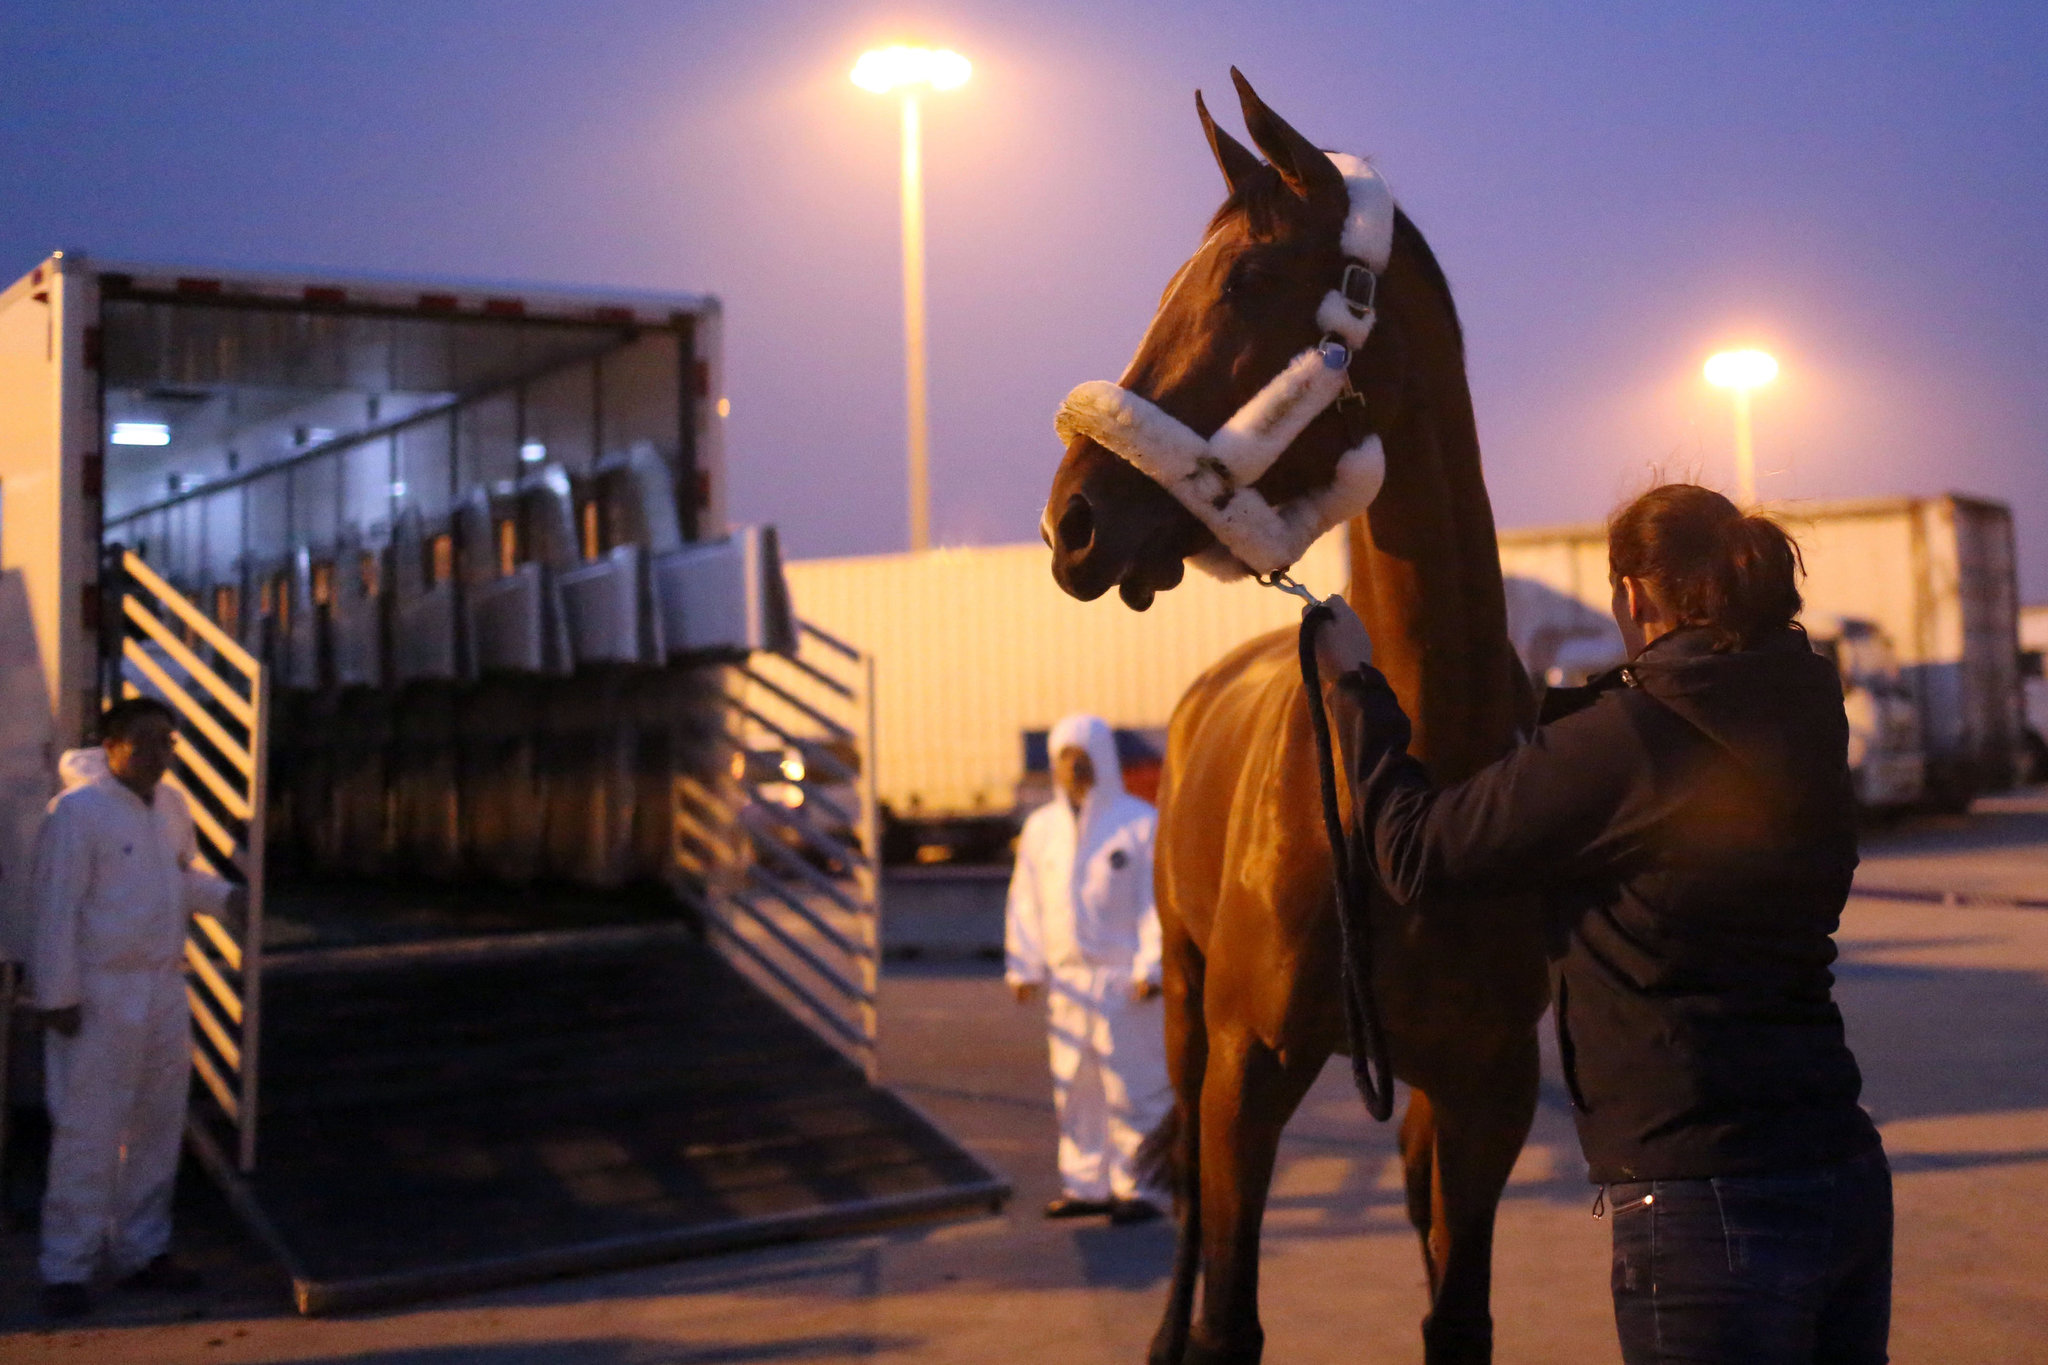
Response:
column 116, row 875
column 1081, row 927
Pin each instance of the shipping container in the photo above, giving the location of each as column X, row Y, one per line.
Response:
column 1936, row 576
column 977, row 648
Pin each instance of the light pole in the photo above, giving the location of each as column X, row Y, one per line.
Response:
column 1739, row 372
column 908, row 71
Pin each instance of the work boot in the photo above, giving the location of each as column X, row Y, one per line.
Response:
column 165, row 1273
column 1073, row 1206
column 66, row 1300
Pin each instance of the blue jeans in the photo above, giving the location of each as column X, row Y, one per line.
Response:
column 1762, row 1270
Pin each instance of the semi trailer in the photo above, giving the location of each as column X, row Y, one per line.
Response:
column 558, row 822
column 1916, row 597
column 978, row 653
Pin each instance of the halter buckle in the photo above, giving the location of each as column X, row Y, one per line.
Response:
column 1360, row 299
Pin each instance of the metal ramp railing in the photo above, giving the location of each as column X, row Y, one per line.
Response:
column 784, row 841
column 162, row 645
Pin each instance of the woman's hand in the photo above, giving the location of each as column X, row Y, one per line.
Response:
column 1342, row 643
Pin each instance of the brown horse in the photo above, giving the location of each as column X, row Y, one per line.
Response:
column 1244, row 872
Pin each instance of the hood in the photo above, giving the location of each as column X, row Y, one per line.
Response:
column 1093, row 735
column 80, row 767
column 1777, row 707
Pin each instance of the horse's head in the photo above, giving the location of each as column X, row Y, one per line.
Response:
column 1247, row 422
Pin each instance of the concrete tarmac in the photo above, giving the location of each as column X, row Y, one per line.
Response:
column 1947, row 1008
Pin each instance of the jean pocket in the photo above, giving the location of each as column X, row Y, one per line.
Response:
column 1630, row 1213
column 1778, row 1229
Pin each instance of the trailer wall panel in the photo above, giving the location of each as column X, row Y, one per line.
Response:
column 49, row 508
column 974, row 647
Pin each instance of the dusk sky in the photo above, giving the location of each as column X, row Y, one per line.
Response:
column 1616, row 190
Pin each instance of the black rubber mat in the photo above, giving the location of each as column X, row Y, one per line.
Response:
column 309, row 915
column 445, row 1125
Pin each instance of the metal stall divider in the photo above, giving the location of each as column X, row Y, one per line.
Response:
column 789, row 852
column 171, row 650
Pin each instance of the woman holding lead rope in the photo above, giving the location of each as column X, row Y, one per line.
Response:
column 1689, row 823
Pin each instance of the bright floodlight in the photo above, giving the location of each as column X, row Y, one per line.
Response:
column 898, row 68
column 140, row 434
column 1741, row 369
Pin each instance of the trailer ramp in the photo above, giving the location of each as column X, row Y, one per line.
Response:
column 441, row 1118
column 444, row 1109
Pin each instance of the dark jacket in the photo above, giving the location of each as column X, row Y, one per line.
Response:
column 1689, row 823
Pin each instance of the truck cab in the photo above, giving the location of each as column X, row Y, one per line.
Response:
column 1887, row 749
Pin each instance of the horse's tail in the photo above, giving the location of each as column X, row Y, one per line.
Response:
column 1163, row 1163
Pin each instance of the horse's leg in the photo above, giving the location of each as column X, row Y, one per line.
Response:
column 1418, row 1165
column 1482, row 1117
column 1249, row 1091
column 1175, row 1150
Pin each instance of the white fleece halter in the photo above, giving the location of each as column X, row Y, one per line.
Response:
column 1212, row 477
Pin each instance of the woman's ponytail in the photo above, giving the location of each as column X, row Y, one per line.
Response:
column 1711, row 565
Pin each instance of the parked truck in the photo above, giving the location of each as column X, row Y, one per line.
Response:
column 2033, row 650
column 1931, row 581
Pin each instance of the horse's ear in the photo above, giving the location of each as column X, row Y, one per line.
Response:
column 1307, row 170
column 1235, row 160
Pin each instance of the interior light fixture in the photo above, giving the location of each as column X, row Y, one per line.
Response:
column 140, row 434
column 533, row 452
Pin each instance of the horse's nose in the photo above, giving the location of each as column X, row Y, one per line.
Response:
column 1074, row 533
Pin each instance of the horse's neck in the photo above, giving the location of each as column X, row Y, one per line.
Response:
column 1425, row 575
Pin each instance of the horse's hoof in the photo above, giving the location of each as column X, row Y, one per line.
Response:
column 1200, row 1352
column 1167, row 1350
column 1457, row 1343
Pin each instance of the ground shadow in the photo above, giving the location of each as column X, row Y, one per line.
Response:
column 1937, row 1041
column 1126, row 1257
column 628, row 1351
column 1988, row 827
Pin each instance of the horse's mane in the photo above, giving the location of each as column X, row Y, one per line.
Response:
column 1264, row 201
column 1267, row 205
column 1407, row 235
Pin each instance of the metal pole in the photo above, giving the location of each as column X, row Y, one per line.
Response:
column 1745, row 451
column 871, row 844
column 913, row 323
column 250, row 1098
column 7, row 976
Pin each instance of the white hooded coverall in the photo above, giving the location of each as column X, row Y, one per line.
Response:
column 113, row 885
column 1081, row 923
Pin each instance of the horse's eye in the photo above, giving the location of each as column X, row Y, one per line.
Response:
column 1247, row 279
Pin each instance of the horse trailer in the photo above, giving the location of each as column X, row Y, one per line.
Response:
column 558, row 821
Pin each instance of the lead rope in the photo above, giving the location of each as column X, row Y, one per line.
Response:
column 1371, row 1068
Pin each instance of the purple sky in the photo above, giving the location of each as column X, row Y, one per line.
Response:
column 1615, row 190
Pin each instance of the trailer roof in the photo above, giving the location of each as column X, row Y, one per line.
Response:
column 1797, row 510
column 342, row 291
